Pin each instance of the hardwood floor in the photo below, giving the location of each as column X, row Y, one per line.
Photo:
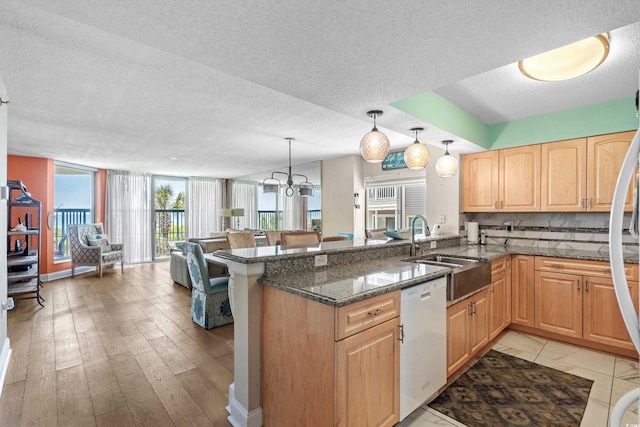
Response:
column 120, row 350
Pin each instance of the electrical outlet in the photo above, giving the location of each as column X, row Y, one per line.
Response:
column 508, row 226
column 443, row 218
column 320, row 260
column 433, row 245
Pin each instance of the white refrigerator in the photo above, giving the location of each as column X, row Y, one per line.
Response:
column 631, row 320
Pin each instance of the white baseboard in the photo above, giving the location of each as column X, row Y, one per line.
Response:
column 238, row 415
column 5, row 355
column 64, row 273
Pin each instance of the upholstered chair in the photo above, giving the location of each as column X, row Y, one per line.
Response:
column 299, row 239
column 377, row 234
column 241, row 240
column 273, row 237
column 210, row 305
column 82, row 254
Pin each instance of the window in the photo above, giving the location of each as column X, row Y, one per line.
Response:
column 73, row 197
column 169, row 218
column 394, row 206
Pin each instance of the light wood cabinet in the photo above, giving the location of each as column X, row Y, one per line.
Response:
column 523, row 290
column 582, row 305
column 558, row 303
column 503, row 180
column 581, row 174
column 467, row 330
column 519, row 179
column 368, row 386
column 480, row 182
column 323, row 365
column 602, row 318
column 499, row 296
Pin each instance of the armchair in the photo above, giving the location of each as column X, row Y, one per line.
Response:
column 95, row 256
column 210, row 305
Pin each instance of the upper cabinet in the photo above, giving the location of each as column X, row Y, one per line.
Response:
column 504, row 180
column 566, row 176
column 581, row 174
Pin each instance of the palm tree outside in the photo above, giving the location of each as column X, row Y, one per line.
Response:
column 169, row 206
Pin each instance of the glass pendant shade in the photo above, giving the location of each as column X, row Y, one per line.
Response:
column 305, row 189
column 447, row 166
column 567, row 62
column 416, row 156
column 374, row 146
column 271, row 187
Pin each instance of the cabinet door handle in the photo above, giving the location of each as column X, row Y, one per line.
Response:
column 495, row 205
column 590, row 203
column 501, row 204
column 582, row 203
column 375, row 313
column 470, row 310
column 401, row 339
column 586, row 285
column 578, row 284
column 493, row 287
column 474, row 308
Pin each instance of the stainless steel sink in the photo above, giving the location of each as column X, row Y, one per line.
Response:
column 468, row 275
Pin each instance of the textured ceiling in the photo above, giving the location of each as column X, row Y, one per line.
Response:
column 218, row 85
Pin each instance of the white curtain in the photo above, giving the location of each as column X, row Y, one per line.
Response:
column 291, row 210
column 244, row 194
column 203, row 199
column 129, row 213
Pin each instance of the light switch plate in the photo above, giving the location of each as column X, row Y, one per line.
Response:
column 320, row 260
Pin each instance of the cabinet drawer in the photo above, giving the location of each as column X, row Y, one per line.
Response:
column 501, row 264
column 361, row 315
column 582, row 267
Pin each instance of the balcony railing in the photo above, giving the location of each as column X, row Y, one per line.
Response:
column 267, row 219
column 62, row 219
column 169, row 227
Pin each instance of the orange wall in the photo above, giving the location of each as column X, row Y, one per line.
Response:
column 37, row 174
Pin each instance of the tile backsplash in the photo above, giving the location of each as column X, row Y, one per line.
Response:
column 578, row 230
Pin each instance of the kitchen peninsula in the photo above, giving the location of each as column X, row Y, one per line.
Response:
column 357, row 272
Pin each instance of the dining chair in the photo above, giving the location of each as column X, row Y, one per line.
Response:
column 299, row 239
column 334, row 238
column 377, row 233
column 273, row 237
column 241, row 240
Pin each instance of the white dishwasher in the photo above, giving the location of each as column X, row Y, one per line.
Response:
column 423, row 351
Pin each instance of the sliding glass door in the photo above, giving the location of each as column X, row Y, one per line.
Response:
column 169, row 218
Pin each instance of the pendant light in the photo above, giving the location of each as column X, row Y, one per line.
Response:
column 447, row 165
column 374, row 146
column 272, row 184
column 417, row 155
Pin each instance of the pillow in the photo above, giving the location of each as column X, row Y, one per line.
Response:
column 100, row 240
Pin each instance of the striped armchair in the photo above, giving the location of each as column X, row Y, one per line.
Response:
column 94, row 256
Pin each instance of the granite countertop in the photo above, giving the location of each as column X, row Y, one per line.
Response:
column 346, row 284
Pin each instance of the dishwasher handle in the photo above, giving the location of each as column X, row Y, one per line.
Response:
column 401, row 338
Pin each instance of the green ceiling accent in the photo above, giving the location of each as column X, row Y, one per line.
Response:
column 438, row 111
column 598, row 119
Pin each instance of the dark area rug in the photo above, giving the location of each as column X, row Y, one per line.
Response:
column 502, row 390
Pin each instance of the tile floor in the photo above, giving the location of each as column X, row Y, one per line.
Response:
column 612, row 377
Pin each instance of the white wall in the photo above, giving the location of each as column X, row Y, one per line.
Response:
column 343, row 176
column 5, row 350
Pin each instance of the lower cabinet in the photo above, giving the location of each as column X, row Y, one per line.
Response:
column 523, row 290
column 330, row 366
column 581, row 305
column 467, row 329
column 499, row 296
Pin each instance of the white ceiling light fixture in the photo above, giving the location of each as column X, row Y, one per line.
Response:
column 374, row 146
column 272, row 184
column 567, row 62
column 416, row 156
column 447, row 165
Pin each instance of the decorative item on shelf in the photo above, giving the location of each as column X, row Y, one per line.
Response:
column 417, row 155
column 447, row 165
column 232, row 213
column 374, row 146
column 356, row 200
column 567, row 62
column 272, row 185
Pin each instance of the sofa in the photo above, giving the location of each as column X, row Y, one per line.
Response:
column 178, row 263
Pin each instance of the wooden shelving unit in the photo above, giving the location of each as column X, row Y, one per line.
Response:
column 23, row 260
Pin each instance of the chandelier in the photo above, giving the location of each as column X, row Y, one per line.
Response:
column 272, row 184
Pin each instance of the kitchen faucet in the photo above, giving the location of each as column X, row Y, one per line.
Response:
column 412, row 249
